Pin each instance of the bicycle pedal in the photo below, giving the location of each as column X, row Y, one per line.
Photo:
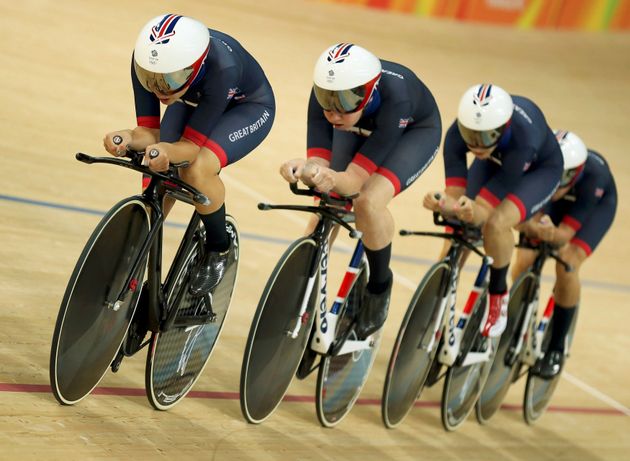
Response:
column 434, row 373
column 339, row 342
column 212, row 317
column 510, row 357
column 194, row 319
column 132, row 344
column 306, row 367
column 115, row 365
column 134, row 340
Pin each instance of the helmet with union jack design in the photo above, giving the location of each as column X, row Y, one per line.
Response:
column 345, row 77
column 484, row 112
column 574, row 153
column 169, row 53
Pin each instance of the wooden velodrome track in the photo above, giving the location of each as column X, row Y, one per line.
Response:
column 65, row 71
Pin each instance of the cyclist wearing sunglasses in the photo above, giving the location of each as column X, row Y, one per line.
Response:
column 373, row 128
column 516, row 169
column 219, row 107
column 577, row 218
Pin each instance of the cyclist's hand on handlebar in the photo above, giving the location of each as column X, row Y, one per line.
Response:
column 545, row 229
column 155, row 157
column 440, row 202
column 318, row 176
column 292, row 170
column 463, row 209
column 432, row 200
column 116, row 142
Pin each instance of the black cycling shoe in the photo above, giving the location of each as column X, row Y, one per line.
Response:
column 373, row 312
column 550, row 365
column 209, row 272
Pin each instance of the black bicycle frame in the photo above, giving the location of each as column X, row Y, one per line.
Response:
column 161, row 185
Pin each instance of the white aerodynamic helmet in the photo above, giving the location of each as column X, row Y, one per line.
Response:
column 169, row 53
column 574, row 152
column 344, row 78
column 484, row 112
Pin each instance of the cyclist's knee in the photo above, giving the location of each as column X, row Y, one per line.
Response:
column 496, row 223
column 502, row 219
column 375, row 195
column 209, row 161
column 574, row 256
column 368, row 203
column 524, row 259
column 204, row 167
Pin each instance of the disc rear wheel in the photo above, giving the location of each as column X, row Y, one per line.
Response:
column 341, row 377
column 506, row 364
column 463, row 384
column 178, row 356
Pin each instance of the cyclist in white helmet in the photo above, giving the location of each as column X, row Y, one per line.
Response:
column 219, row 107
column 576, row 219
column 373, row 128
column 516, row 169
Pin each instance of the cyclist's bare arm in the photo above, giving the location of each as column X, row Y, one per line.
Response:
column 349, row 182
column 291, row 170
column 453, row 203
column 443, row 201
column 117, row 142
column 179, row 151
column 544, row 229
column 529, row 227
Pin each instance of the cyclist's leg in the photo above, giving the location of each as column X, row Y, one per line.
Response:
column 237, row 133
column 498, row 244
column 567, row 288
column 489, row 196
column 566, row 296
column 581, row 246
column 524, row 199
column 524, row 259
column 411, row 156
column 376, row 223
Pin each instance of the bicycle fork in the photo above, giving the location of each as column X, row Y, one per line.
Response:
column 326, row 322
column 321, row 268
column 527, row 326
column 452, row 347
column 534, row 347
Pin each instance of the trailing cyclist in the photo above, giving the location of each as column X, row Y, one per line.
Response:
column 219, row 107
column 576, row 219
column 516, row 170
column 373, row 129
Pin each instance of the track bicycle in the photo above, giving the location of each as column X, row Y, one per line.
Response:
column 107, row 310
column 293, row 326
column 431, row 337
column 524, row 342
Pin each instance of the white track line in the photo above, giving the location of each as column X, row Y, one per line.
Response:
column 595, row 393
